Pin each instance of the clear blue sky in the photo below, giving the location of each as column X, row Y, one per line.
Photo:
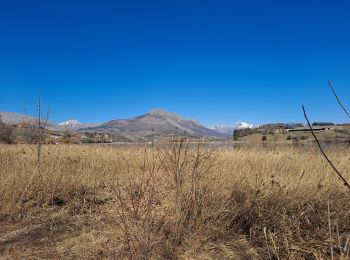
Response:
column 214, row 61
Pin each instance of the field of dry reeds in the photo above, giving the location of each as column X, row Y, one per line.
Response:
column 179, row 202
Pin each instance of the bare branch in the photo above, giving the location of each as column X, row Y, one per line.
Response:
column 339, row 102
column 323, row 153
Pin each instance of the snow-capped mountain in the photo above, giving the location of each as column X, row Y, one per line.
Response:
column 223, row 129
column 229, row 129
column 74, row 124
column 242, row 125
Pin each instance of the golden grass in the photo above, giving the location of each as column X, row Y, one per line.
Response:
column 177, row 202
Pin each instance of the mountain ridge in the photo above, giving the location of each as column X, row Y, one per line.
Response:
column 157, row 122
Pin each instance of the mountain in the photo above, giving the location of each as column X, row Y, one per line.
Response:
column 14, row 118
column 229, row 129
column 243, row 125
column 156, row 122
column 223, row 129
column 74, row 124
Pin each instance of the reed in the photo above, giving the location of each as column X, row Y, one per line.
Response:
column 181, row 201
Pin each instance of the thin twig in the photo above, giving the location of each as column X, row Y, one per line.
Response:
column 323, row 153
column 339, row 102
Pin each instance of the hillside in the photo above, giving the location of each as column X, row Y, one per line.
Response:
column 14, row 118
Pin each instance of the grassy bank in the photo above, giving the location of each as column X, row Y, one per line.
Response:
column 177, row 202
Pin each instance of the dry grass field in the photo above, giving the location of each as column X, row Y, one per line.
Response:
column 180, row 202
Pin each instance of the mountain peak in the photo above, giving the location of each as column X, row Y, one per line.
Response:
column 229, row 129
column 72, row 122
column 243, row 125
column 160, row 112
column 157, row 121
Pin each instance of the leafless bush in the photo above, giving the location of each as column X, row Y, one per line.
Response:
column 31, row 133
column 189, row 167
column 6, row 133
column 137, row 200
column 178, row 174
column 36, row 129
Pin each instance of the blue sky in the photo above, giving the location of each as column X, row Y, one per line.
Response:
column 214, row 61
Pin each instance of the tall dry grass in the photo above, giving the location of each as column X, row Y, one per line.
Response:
column 182, row 201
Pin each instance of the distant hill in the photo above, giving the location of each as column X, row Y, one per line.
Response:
column 157, row 122
column 14, row 118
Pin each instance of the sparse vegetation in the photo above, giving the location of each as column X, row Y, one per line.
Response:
column 180, row 201
column 243, row 132
column 6, row 133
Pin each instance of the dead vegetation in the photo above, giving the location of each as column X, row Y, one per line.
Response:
column 179, row 202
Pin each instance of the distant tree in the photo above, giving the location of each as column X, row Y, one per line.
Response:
column 272, row 128
column 293, row 125
column 88, row 140
column 31, row 134
column 153, row 137
column 6, row 133
column 68, row 129
column 2, row 124
column 243, row 132
column 289, row 137
column 35, row 130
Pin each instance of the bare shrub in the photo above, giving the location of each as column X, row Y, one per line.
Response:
column 6, row 133
column 136, row 203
